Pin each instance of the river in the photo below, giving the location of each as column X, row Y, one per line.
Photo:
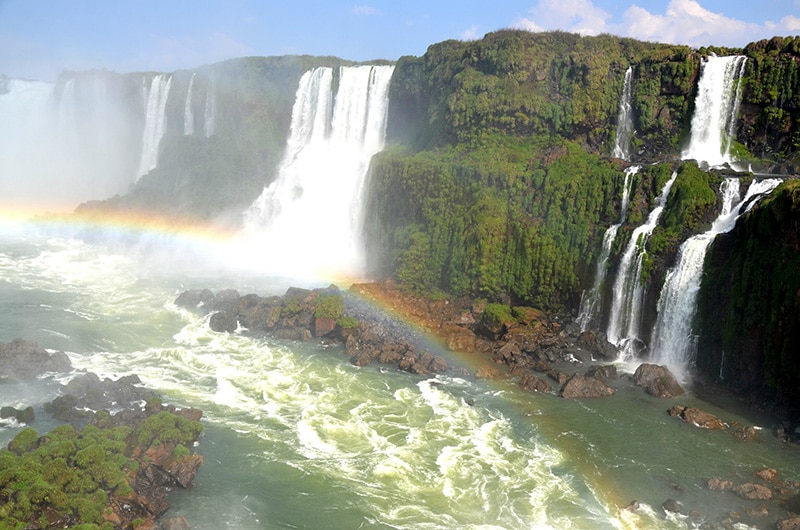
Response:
column 297, row 437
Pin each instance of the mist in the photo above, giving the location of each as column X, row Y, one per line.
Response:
column 74, row 140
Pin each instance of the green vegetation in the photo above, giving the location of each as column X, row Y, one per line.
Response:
column 498, row 315
column 553, row 84
column 165, row 427
column 518, row 217
column 347, row 322
column 772, row 90
column 689, row 210
column 749, row 305
column 329, row 306
column 71, row 476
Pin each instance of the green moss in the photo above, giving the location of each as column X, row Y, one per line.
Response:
column 329, row 306
column 347, row 322
column 498, row 314
column 74, row 474
column 180, row 451
column 166, row 427
column 24, row 441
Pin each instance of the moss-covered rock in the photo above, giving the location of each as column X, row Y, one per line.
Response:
column 749, row 302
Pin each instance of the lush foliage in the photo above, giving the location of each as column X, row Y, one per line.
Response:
column 513, row 218
column 521, row 83
column 771, row 98
column 74, row 474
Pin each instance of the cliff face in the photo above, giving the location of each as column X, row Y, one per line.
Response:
column 770, row 111
column 499, row 185
column 750, row 301
column 553, row 84
column 497, row 182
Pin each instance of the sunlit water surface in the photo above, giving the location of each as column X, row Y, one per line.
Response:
column 296, row 437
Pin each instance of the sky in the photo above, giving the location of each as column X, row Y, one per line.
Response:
column 39, row 39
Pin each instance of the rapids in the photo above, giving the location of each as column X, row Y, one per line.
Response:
column 297, row 437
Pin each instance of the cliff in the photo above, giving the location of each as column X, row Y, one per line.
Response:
column 750, row 302
column 497, row 181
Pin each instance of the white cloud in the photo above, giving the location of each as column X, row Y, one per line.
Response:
column 791, row 23
column 577, row 16
column 365, row 10
column 471, row 33
column 682, row 22
column 685, row 22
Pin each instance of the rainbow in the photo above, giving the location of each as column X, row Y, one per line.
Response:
column 218, row 243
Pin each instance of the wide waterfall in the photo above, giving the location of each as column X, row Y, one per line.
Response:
column 67, row 142
column 308, row 221
column 716, row 109
column 591, row 303
column 626, row 306
column 673, row 339
column 155, row 123
column 624, row 135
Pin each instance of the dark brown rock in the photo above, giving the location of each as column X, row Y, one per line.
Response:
column 716, row 484
column 558, row 376
column 606, row 372
column 538, row 365
column 223, row 322
column 24, row 360
column 744, row 433
column 753, row 491
column 579, row 386
column 657, row 381
column 792, row 523
column 671, row 505
column 697, row 417
column 323, row 326
column 532, row 383
column 459, row 338
column 439, row 364
column 508, row 353
column 194, row 299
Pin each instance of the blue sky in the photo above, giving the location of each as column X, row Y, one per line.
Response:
column 39, row 39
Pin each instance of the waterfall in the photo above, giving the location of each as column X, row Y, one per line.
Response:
column 155, row 120
column 716, row 110
column 308, row 221
column 622, row 141
column 210, row 111
column 67, row 142
column 626, row 305
column 591, row 303
column 188, row 115
column 673, row 340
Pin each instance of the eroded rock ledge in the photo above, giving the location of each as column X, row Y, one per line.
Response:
column 98, row 469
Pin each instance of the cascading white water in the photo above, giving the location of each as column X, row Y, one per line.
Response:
column 308, row 222
column 716, row 109
column 155, row 122
column 188, row 113
column 64, row 143
column 626, row 305
column 210, row 111
column 622, row 141
column 591, row 302
column 673, row 339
